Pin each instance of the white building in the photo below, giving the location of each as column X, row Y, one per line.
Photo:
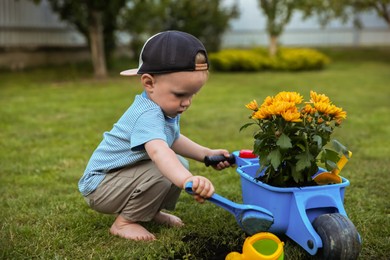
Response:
column 249, row 30
column 25, row 26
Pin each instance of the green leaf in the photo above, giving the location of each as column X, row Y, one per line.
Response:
column 330, row 158
column 339, row 147
column 263, row 161
column 246, row 126
column 275, row 158
column 330, row 165
column 331, row 155
column 304, row 161
column 303, row 148
column 297, row 176
column 284, row 142
column 318, row 140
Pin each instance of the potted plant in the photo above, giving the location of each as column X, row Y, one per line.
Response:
column 292, row 136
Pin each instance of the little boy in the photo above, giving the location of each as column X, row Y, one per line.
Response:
column 138, row 169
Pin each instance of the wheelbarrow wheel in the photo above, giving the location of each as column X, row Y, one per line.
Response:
column 340, row 239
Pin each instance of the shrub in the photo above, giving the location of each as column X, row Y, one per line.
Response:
column 257, row 59
column 238, row 60
column 300, row 59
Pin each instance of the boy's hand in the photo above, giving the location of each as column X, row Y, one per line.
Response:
column 221, row 165
column 202, row 188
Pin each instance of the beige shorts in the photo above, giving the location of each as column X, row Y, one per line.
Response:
column 137, row 193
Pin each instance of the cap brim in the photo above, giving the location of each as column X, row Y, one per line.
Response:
column 131, row 72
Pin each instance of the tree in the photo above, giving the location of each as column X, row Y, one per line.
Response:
column 207, row 20
column 327, row 10
column 382, row 8
column 96, row 20
column 141, row 19
column 278, row 14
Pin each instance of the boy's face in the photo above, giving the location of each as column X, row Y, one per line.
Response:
column 173, row 92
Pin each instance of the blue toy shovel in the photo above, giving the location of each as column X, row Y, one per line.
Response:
column 252, row 219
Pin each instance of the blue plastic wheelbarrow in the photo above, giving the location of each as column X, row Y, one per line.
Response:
column 314, row 217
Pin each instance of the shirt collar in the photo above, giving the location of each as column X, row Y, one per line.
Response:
column 171, row 119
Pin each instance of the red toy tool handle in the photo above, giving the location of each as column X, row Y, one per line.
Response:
column 214, row 160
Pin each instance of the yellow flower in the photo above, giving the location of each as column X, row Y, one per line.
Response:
column 340, row 114
column 279, row 107
column 291, row 116
column 323, row 107
column 308, row 109
column 260, row 114
column 331, row 110
column 252, row 105
column 318, row 98
column 289, row 97
column 267, row 102
column 338, row 122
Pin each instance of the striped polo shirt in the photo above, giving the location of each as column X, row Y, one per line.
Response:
column 123, row 145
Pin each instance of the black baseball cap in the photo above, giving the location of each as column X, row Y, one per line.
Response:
column 169, row 51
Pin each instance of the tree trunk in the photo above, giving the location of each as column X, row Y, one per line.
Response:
column 383, row 11
column 97, row 44
column 273, row 45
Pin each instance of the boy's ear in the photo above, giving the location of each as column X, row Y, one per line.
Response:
column 147, row 81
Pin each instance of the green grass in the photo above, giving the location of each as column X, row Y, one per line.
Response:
column 51, row 120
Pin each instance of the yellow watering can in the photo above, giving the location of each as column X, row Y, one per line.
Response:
column 262, row 246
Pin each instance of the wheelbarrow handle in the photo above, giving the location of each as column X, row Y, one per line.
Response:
column 252, row 219
column 215, row 159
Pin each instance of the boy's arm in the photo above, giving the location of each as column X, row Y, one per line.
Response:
column 188, row 148
column 170, row 166
column 167, row 161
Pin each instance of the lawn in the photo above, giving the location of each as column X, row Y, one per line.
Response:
column 51, row 120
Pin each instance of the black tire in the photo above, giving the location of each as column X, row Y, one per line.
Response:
column 340, row 239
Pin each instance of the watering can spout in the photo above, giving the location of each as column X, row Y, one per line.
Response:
column 261, row 246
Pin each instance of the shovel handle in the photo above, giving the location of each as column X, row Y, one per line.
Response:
column 232, row 207
column 215, row 159
column 342, row 162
